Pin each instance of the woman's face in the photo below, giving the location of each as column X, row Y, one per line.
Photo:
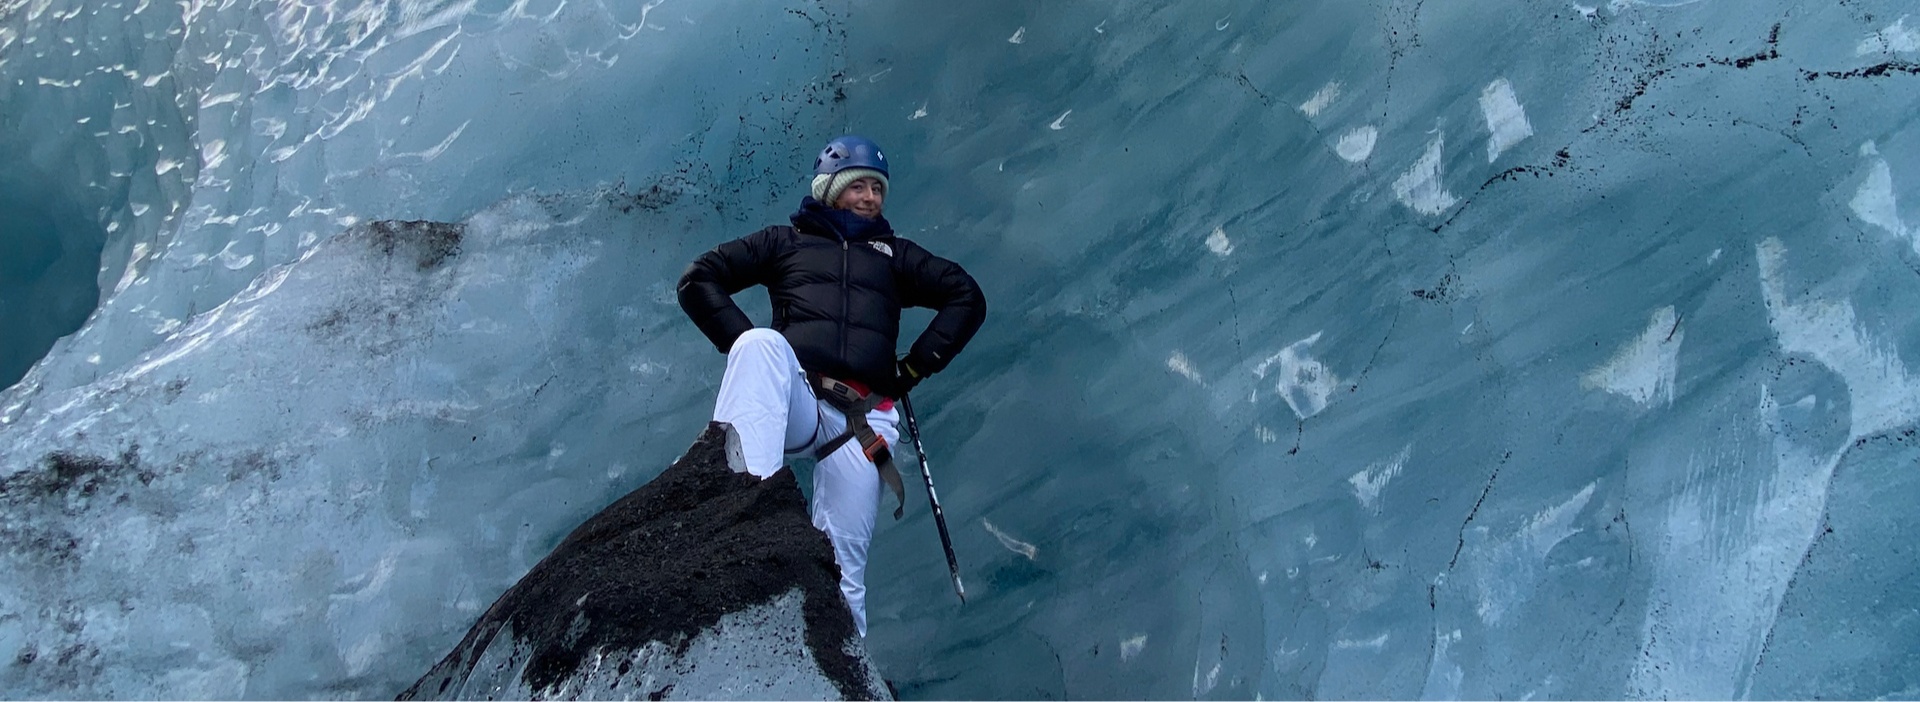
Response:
column 864, row 197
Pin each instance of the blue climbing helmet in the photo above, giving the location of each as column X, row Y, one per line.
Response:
column 850, row 152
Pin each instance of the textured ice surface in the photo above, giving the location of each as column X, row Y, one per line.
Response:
column 758, row 653
column 1328, row 355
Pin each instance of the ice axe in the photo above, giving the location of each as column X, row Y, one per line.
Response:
column 939, row 517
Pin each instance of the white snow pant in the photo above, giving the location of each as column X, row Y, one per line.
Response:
column 765, row 396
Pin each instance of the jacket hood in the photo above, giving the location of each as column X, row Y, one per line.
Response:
column 819, row 219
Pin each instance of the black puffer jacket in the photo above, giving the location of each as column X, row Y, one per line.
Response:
column 837, row 282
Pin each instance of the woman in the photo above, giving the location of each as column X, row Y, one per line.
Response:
column 838, row 278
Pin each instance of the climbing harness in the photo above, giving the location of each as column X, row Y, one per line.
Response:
column 855, row 405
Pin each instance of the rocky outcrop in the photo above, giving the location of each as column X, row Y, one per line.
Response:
column 705, row 583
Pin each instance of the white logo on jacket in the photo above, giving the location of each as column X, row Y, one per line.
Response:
column 881, row 247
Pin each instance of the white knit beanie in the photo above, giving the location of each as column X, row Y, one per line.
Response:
column 828, row 187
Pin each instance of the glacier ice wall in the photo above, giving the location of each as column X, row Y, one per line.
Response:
column 1375, row 349
column 296, row 449
column 1397, row 349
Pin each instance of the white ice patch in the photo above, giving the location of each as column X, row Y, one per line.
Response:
column 231, row 260
column 648, row 371
column 212, row 154
column 1320, row 100
column 1884, row 394
column 133, row 267
column 919, row 113
column 1357, row 144
column 1618, row 6
column 1015, row 545
column 1722, row 567
column 1179, row 363
column 1443, row 675
column 1420, row 187
column 1377, row 643
column 1895, row 39
column 1367, row 484
column 1304, row 382
column 1643, row 370
column 1019, row 36
column 1511, row 571
column 1203, row 684
column 1265, row 434
column 1219, row 244
column 432, row 152
column 1132, row 647
column 1507, row 122
column 1060, row 122
column 1875, row 204
column 415, row 18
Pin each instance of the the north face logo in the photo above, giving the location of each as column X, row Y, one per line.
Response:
column 881, row 247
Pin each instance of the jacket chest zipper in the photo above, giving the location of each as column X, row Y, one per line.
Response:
column 846, row 307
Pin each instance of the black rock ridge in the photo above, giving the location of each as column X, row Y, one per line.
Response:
column 706, row 583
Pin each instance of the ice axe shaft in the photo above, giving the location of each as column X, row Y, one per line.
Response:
column 933, row 498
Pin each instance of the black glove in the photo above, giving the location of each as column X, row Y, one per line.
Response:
column 904, row 380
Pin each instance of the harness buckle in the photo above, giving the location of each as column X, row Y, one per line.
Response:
column 845, row 393
column 877, row 450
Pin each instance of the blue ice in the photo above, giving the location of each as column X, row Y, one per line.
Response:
column 1383, row 349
